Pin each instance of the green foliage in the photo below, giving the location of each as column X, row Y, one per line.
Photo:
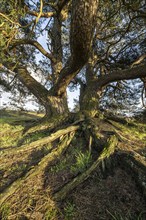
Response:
column 69, row 210
column 51, row 214
column 4, row 212
column 59, row 166
column 9, row 135
column 83, row 160
column 9, row 26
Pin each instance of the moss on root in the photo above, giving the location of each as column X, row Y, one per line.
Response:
column 81, row 150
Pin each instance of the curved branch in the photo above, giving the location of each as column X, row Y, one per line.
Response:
column 60, row 6
column 43, row 14
column 35, row 44
column 4, row 83
column 33, row 85
column 81, row 38
column 131, row 73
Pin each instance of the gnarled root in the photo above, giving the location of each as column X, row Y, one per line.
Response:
column 56, row 153
column 106, row 153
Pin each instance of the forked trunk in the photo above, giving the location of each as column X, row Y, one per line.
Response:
column 53, row 105
column 89, row 102
column 56, row 106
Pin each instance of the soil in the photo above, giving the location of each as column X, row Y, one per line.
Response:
column 29, row 179
column 115, row 197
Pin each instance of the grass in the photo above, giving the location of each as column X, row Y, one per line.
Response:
column 51, row 214
column 69, row 211
column 4, row 210
column 12, row 125
column 9, row 135
column 83, row 160
column 34, row 137
column 59, row 166
column 137, row 131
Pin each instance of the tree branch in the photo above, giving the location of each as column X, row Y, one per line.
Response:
column 32, row 85
column 43, row 14
column 33, row 43
column 60, row 6
column 4, row 83
column 80, row 42
column 8, row 19
column 132, row 73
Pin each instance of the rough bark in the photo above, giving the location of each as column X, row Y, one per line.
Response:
column 56, row 45
column 81, row 37
column 89, row 100
column 53, row 105
column 107, row 152
column 89, row 104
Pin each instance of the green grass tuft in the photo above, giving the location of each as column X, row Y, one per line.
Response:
column 83, row 160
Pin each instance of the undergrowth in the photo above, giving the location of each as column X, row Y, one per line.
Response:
column 33, row 199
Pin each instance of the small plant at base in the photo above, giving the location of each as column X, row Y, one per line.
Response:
column 83, row 161
column 51, row 214
column 69, row 210
column 60, row 166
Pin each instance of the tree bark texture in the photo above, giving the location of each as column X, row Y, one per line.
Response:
column 53, row 105
column 81, row 37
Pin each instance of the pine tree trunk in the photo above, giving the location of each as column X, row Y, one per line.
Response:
column 89, row 103
column 56, row 106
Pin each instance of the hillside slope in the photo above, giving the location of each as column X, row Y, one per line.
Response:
column 62, row 173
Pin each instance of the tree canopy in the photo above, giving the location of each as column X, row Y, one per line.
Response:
column 95, row 44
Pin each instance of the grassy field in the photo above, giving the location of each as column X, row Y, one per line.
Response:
column 33, row 169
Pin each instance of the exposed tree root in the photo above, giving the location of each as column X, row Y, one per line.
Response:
column 101, row 136
column 107, row 152
column 47, row 123
column 41, row 166
column 135, row 164
column 45, row 140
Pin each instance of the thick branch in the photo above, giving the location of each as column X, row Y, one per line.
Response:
column 5, row 84
column 33, row 43
column 62, row 3
column 133, row 73
column 81, row 37
column 34, row 86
